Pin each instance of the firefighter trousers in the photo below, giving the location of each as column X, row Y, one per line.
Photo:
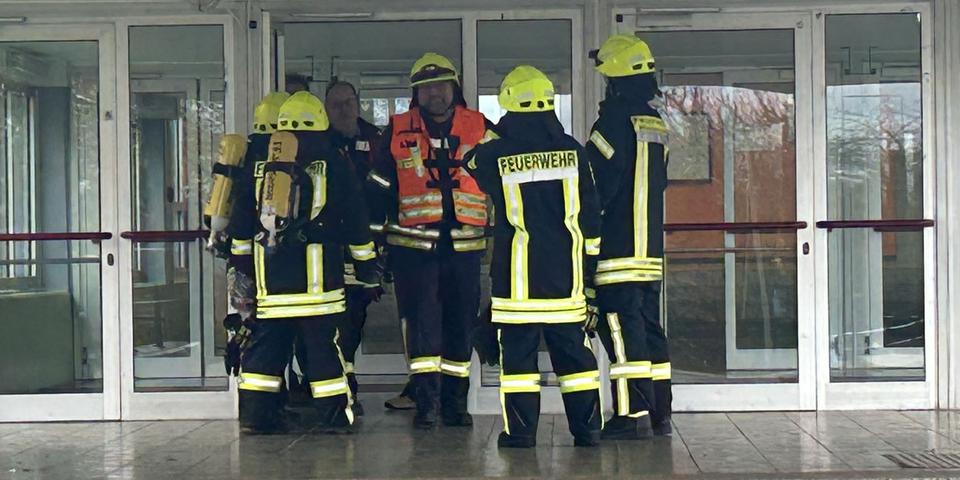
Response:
column 574, row 363
column 351, row 330
column 265, row 359
column 441, row 297
column 637, row 346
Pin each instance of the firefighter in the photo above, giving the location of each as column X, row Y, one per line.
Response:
column 546, row 238
column 357, row 139
column 308, row 206
column 628, row 152
column 242, row 228
column 434, row 233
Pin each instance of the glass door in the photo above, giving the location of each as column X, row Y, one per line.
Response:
column 738, row 291
column 378, row 68
column 58, row 275
column 875, row 233
column 173, row 340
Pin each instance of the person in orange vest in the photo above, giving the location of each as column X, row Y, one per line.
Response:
column 434, row 220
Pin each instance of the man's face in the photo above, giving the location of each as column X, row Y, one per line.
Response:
column 343, row 109
column 435, row 97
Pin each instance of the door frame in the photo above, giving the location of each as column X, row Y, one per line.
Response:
column 889, row 394
column 163, row 405
column 759, row 396
column 85, row 406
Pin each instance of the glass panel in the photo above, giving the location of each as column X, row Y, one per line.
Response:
column 730, row 301
column 177, row 116
column 545, row 44
column 379, row 68
column 51, row 327
column 875, row 171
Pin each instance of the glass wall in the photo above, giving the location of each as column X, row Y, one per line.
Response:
column 177, row 117
column 51, row 325
column 730, row 297
column 875, row 172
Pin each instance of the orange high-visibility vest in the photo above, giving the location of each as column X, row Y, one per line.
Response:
column 410, row 145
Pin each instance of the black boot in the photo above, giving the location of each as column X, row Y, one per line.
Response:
column 333, row 419
column 626, row 428
column 515, row 441
column 453, row 397
column 354, row 388
column 260, row 414
column 426, row 387
column 428, row 413
column 591, row 439
column 664, row 428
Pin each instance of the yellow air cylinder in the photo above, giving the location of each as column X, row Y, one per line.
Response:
column 233, row 147
column 280, row 197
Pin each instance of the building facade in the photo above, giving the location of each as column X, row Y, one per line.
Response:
column 811, row 255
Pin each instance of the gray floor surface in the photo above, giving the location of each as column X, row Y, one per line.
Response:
column 706, row 445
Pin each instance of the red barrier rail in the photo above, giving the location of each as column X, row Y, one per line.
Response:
column 45, row 237
column 734, row 227
column 165, row 236
column 903, row 225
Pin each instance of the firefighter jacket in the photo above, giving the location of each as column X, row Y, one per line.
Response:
column 547, row 224
column 304, row 275
column 434, row 200
column 628, row 154
column 359, row 150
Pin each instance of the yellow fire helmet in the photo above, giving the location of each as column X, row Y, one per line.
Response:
column 265, row 115
column 526, row 89
column 303, row 112
column 624, row 55
column 433, row 67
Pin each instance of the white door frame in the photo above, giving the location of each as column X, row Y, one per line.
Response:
column 163, row 405
column 874, row 395
column 85, row 406
column 759, row 396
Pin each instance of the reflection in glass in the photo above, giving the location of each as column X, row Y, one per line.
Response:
column 177, row 117
column 875, row 171
column 730, row 300
column 51, row 325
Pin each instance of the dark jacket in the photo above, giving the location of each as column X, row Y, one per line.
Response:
column 304, row 275
column 628, row 153
column 547, row 219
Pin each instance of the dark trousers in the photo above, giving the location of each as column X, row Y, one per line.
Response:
column 265, row 359
column 351, row 330
column 441, row 297
column 635, row 342
column 575, row 366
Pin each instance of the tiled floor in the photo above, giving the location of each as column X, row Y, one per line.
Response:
column 714, row 445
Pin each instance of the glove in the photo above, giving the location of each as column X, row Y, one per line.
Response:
column 368, row 273
column 483, row 337
column 373, row 293
column 593, row 313
column 238, row 336
column 219, row 245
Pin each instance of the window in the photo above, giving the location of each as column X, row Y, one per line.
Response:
column 17, row 182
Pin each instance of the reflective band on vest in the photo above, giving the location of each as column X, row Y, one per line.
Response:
column 411, row 145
